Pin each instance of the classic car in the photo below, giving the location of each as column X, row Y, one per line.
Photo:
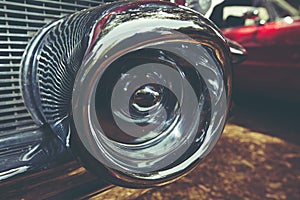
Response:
column 138, row 91
column 269, row 30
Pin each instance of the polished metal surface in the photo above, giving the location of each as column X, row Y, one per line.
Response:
column 138, row 90
column 19, row 21
column 173, row 56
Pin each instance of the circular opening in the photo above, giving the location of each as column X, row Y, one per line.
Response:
column 137, row 112
column 151, row 106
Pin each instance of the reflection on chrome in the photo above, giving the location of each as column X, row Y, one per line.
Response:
column 149, row 85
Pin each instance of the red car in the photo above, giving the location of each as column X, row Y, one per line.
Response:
column 269, row 30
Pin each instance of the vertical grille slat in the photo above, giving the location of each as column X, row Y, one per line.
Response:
column 19, row 21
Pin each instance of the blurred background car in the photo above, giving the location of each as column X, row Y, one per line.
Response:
column 269, row 30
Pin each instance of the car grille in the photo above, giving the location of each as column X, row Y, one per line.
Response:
column 19, row 21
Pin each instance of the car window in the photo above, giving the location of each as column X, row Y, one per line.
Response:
column 234, row 16
column 283, row 9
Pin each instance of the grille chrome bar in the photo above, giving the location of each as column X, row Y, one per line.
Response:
column 9, row 88
column 19, row 27
column 26, row 6
column 12, row 50
column 19, row 21
column 14, row 19
column 11, row 57
column 9, row 95
column 11, row 73
column 11, row 80
column 14, row 109
column 27, row 13
column 22, row 123
column 14, row 117
column 20, row 36
column 12, row 103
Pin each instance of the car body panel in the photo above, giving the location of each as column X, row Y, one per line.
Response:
column 273, row 64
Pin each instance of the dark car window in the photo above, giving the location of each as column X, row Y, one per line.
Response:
column 230, row 13
column 236, row 13
column 283, row 9
column 234, row 16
